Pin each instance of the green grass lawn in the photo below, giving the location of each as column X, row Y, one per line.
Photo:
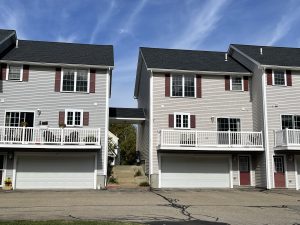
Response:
column 55, row 222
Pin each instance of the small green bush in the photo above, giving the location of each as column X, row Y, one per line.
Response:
column 138, row 173
column 113, row 180
column 144, row 184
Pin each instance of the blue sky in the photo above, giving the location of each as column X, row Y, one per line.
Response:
column 129, row 24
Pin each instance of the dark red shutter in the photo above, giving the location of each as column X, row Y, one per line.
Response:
column 269, row 77
column 92, row 80
column 3, row 72
column 25, row 72
column 61, row 118
column 199, row 86
column 227, row 83
column 57, row 79
column 86, row 118
column 171, row 120
column 246, row 83
column 289, row 81
column 193, row 121
column 167, row 85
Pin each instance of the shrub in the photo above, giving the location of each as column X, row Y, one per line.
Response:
column 138, row 173
column 113, row 180
column 144, row 184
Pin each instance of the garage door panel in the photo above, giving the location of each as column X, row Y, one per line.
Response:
column 48, row 172
column 194, row 172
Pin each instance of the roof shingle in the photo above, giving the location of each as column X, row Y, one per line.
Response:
column 192, row 60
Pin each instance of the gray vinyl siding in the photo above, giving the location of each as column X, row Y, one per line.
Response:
column 286, row 98
column 257, row 113
column 38, row 93
column 215, row 102
column 143, row 129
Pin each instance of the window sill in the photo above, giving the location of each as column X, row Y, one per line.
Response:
column 75, row 92
column 277, row 85
column 14, row 80
column 237, row 90
column 182, row 97
column 178, row 128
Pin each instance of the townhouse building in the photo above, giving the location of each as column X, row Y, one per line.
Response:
column 199, row 130
column 54, row 102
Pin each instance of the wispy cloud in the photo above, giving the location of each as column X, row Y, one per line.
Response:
column 285, row 24
column 130, row 22
column 102, row 20
column 12, row 18
column 69, row 39
column 200, row 24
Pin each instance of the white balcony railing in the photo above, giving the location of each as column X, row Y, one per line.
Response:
column 50, row 136
column 196, row 138
column 287, row 137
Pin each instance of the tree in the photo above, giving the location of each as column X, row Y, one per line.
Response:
column 127, row 142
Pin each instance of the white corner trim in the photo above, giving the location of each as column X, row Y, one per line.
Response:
column 105, row 152
column 266, row 131
column 151, row 125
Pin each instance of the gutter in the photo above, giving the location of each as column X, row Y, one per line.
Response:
column 200, row 71
column 58, row 64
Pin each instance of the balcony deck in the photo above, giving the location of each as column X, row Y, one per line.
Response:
column 287, row 139
column 38, row 137
column 210, row 140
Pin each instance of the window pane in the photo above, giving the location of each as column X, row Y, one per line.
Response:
column 70, row 118
column 177, row 85
column 189, row 86
column 77, row 118
column 296, row 122
column 185, row 121
column 279, row 77
column 278, row 164
column 68, row 80
column 235, row 124
column 82, row 81
column 14, row 73
column 236, row 83
column 287, row 121
column 223, row 124
column 12, row 119
column 178, row 121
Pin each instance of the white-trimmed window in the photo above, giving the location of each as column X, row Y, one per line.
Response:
column 182, row 120
column 290, row 121
column 75, row 80
column 74, row 117
column 183, row 86
column 14, row 73
column 279, row 78
column 236, row 83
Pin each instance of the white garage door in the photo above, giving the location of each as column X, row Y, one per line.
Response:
column 194, row 172
column 55, row 172
column 298, row 172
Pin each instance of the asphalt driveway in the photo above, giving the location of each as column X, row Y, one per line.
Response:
column 156, row 207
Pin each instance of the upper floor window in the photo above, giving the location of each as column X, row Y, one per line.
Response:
column 74, row 117
column 229, row 124
column 183, row 86
column 290, row 121
column 14, row 73
column 182, row 120
column 75, row 80
column 236, row 83
column 279, row 78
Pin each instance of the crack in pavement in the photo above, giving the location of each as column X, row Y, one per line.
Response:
column 183, row 208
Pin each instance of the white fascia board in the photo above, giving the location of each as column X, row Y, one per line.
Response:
column 200, row 72
column 125, row 118
column 58, row 64
column 281, row 67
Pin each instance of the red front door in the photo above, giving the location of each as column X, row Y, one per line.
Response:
column 279, row 173
column 244, row 167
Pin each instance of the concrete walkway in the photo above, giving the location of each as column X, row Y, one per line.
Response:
column 157, row 207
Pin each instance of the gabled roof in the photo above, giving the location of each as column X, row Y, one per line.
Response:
column 61, row 53
column 190, row 60
column 279, row 56
column 4, row 34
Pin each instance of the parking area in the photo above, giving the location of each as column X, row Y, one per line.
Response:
column 156, row 207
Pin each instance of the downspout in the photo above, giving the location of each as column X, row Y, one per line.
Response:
column 266, row 130
column 151, row 125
